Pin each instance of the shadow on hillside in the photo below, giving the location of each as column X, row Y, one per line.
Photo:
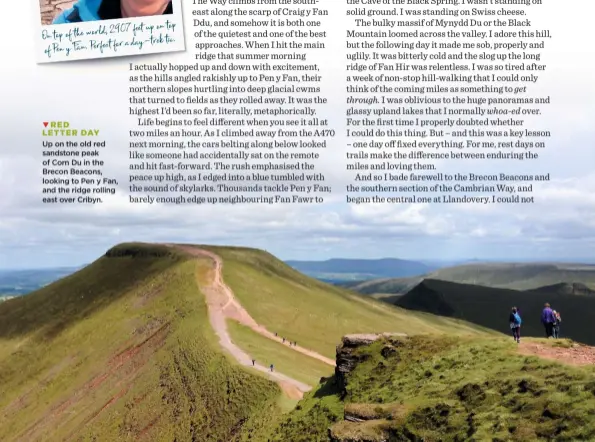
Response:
column 50, row 310
column 329, row 388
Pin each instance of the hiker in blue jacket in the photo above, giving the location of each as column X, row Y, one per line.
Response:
column 515, row 324
column 548, row 320
column 93, row 10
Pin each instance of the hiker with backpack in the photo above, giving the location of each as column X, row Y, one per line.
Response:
column 548, row 320
column 515, row 324
column 557, row 321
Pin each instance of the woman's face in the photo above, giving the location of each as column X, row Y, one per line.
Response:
column 143, row 8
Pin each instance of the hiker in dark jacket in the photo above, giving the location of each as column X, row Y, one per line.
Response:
column 515, row 324
column 548, row 320
column 93, row 10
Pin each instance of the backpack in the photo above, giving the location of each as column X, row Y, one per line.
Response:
column 517, row 318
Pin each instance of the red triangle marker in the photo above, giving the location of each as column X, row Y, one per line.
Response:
column 45, row 124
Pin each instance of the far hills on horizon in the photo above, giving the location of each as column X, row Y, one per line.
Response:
column 349, row 271
column 481, row 293
column 380, row 277
column 517, row 276
column 22, row 281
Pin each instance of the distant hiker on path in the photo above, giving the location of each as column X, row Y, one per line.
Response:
column 272, row 368
column 253, row 361
column 515, row 324
column 548, row 320
column 284, row 340
column 275, row 334
column 558, row 320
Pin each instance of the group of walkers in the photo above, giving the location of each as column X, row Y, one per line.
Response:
column 272, row 367
column 550, row 319
column 291, row 343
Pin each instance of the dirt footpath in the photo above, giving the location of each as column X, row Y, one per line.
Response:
column 222, row 305
column 575, row 355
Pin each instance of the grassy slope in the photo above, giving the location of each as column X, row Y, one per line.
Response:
column 510, row 276
column 287, row 361
column 451, row 389
column 54, row 341
column 314, row 314
column 386, row 286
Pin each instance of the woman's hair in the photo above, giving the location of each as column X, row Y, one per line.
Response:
column 514, row 309
column 547, row 304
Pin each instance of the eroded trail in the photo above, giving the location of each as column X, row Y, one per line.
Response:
column 222, row 305
column 575, row 355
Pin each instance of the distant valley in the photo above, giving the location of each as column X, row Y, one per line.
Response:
column 517, row 276
column 341, row 270
column 20, row 282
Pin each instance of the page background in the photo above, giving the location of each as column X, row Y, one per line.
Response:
column 561, row 225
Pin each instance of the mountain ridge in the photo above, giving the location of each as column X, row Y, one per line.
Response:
column 124, row 347
column 518, row 276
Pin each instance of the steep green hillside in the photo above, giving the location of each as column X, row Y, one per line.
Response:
column 123, row 350
column 386, row 286
column 509, row 276
column 311, row 312
column 445, row 389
